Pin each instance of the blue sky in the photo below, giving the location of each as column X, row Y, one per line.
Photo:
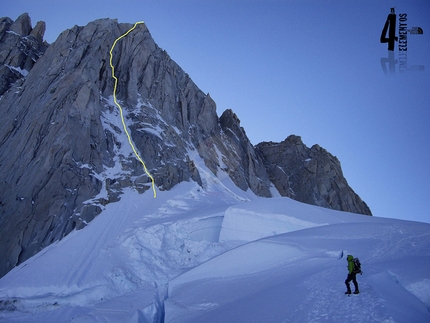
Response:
column 309, row 68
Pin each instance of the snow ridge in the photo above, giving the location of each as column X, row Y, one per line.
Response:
column 218, row 254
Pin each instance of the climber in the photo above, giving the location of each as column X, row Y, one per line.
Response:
column 353, row 270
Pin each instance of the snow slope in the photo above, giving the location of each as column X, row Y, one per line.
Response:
column 217, row 254
column 298, row 277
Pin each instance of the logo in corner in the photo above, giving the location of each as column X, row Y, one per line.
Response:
column 388, row 35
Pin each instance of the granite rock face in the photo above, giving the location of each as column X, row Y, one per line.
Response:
column 64, row 153
column 309, row 175
column 242, row 156
column 20, row 48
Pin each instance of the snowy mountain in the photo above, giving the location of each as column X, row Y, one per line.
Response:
column 218, row 254
column 227, row 238
column 65, row 148
column 83, row 239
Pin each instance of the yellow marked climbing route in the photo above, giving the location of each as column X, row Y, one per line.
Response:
column 120, row 108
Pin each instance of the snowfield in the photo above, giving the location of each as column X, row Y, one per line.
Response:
column 218, row 254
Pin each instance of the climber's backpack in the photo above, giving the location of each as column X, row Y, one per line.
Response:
column 357, row 266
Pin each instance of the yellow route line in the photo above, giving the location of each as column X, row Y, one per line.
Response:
column 120, row 108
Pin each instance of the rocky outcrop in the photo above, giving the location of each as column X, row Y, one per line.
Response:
column 309, row 175
column 242, row 163
column 64, row 154
column 20, row 48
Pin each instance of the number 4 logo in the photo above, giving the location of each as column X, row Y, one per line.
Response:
column 391, row 24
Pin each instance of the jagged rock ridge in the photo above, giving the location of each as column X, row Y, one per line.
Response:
column 63, row 153
column 309, row 175
column 20, row 47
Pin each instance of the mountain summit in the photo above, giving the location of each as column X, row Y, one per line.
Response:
column 64, row 154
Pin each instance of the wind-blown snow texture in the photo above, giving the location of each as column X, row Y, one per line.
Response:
column 195, row 255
